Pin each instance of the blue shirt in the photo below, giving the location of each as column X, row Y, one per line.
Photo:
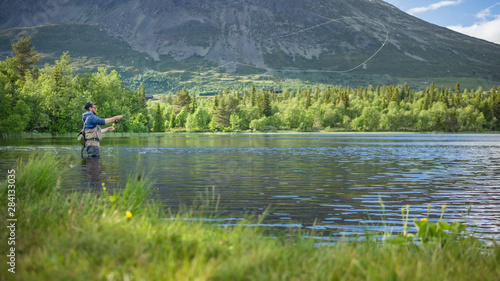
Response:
column 92, row 120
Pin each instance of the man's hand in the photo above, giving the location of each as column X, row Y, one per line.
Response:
column 113, row 119
column 110, row 128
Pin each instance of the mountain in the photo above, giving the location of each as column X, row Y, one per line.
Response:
column 164, row 43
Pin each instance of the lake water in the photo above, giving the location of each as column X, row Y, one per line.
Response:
column 332, row 181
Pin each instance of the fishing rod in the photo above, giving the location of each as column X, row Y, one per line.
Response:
column 147, row 98
column 134, row 109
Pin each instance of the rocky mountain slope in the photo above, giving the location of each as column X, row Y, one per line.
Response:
column 355, row 38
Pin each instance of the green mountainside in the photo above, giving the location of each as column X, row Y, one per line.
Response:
column 211, row 45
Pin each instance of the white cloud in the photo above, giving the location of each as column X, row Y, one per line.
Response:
column 487, row 30
column 483, row 14
column 434, row 6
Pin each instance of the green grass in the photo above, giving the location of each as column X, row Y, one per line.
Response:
column 88, row 236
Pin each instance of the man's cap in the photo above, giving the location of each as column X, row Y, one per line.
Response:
column 89, row 105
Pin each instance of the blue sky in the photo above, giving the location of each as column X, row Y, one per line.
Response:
column 477, row 18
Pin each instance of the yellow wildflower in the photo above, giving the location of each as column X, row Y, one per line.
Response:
column 423, row 219
column 129, row 214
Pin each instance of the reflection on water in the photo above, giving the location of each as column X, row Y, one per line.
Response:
column 334, row 180
column 92, row 171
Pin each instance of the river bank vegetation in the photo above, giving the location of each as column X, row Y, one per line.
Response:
column 51, row 100
column 122, row 234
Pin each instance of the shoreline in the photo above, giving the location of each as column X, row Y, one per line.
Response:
column 246, row 133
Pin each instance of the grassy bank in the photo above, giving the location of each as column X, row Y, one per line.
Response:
column 123, row 235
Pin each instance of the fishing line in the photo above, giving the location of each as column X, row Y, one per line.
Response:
column 322, row 71
column 116, row 121
column 267, row 69
column 134, row 108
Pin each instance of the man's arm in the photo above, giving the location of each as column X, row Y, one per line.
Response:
column 112, row 119
column 109, row 120
column 110, row 128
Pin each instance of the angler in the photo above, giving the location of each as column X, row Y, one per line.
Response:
column 92, row 133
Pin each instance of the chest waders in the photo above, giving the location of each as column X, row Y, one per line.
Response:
column 92, row 137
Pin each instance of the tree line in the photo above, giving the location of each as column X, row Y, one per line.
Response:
column 381, row 108
column 51, row 99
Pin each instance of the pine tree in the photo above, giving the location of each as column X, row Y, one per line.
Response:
column 158, row 123
column 141, row 92
column 194, row 105
column 395, row 95
column 432, row 92
column 182, row 99
column 427, row 100
column 215, row 104
column 26, row 56
column 345, row 98
column 58, row 75
column 172, row 120
column 265, row 104
column 458, row 96
column 253, row 95
column 222, row 114
column 308, row 101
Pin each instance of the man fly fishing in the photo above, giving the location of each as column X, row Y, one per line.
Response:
column 92, row 131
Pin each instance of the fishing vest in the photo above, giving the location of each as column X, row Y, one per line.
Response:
column 93, row 136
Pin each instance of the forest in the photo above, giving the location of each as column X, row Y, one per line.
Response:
column 51, row 99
